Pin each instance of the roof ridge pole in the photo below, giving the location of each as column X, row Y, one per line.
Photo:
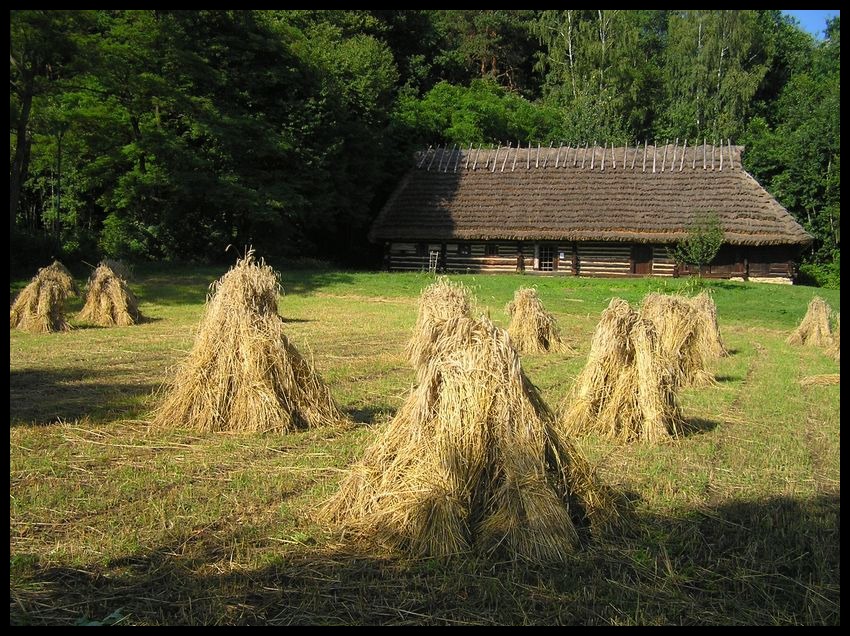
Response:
column 604, row 148
column 634, row 156
column 673, row 162
column 593, row 155
column 644, row 156
column 684, row 148
column 434, row 156
column 703, row 153
column 548, row 152
column 664, row 159
column 516, row 155
column 558, row 155
column 424, row 156
column 537, row 160
column 507, row 154
column 468, row 155
column 528, row 157
column 477, row 152
column 496, row 156
column 731, row 154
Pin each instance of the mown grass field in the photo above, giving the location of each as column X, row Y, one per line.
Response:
column 112, row 521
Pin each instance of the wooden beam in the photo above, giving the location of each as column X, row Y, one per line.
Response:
column 625, row 146
column 442, row 156
column 613, row 158
column 507, row 152
column 558, row 154
column 593, row 155
column 477, row 152
column 684, row 149
column 584, row 155
column 546, row 158
column 537, row 160
column 516, row 154
column 634, row 156
column 654, row 152
column 664, row 159
column 713, row 149
column 432, row 158
column 644, row 156
column 604, row 148
column 721, row 154
column 496, row 156
column 703, row 153
column 528, row 157
column 424, row 156
column 731, row 155
column 694, row 163
column 468, row 155
column 673, row 162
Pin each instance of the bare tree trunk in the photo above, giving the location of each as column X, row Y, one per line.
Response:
column 17, row 175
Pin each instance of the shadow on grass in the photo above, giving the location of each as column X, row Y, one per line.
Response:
column 728, row 378
column 370, row 415
column 179, row 285
column 46, row 396
column 772, row 561
column 698, row 426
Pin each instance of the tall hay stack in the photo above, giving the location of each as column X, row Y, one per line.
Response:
column 533, row 329
column 683, row 339
column 243, row 373
column 708, row 329
column 438, row 303
column 627, row 390
column 814, row 328
column 471, row 461
column 109, row 301
column 40, row 307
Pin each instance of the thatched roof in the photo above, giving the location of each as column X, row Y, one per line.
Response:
column 647, row 195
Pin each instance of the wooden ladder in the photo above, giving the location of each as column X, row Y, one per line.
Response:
column 433, row 261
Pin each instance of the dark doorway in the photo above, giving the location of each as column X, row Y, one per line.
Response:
column 642, row 259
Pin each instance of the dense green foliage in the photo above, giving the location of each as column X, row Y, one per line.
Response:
column 170, row 134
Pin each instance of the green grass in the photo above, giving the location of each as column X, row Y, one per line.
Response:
column 113, row 522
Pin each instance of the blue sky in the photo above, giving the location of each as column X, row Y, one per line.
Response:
column 813, row 21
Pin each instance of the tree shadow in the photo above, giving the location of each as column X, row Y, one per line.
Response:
column 49, row 396
column 770, row 561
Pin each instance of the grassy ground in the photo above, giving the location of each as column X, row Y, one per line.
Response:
column 114, row 522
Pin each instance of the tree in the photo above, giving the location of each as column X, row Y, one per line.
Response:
column 702, row 243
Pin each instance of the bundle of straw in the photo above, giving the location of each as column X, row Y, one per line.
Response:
column 626, row 391
column 109, row 300
column 532, row 328
column 40, row 307
column 438, row 303
column 814, row 328
column 708, row 330
column 472, row 461
column 243, row 373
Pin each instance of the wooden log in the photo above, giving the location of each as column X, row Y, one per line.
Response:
column 442, row 156
column 558, row 154
column 424, row 156
column 496, row 156
column 593, row 155
column 634, row 156
column 684, row 149
column 654, row 152
column 731, row 155
column 528, row 157
column 613, row 158
column 673, row 162
column 713, row 149
column 477, row 152
column 584, row 155
column 694, row 163
column 468, row 155
column 644, row 155
column 516, row 154
column 664, row 158
column 721, row 154
column 537, row 160
column 703, row 153
column 604, row 148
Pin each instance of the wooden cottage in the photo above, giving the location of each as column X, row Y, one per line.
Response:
column 584, row 211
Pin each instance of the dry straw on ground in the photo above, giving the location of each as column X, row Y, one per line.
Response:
column 109, row 301
column 472, row 461
column 821, row 380
column 532, row 328
column 682, row 340
column 40, row 307
column 438, row 303
column 243, row 373
column 814, row 328
column 626, row 391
